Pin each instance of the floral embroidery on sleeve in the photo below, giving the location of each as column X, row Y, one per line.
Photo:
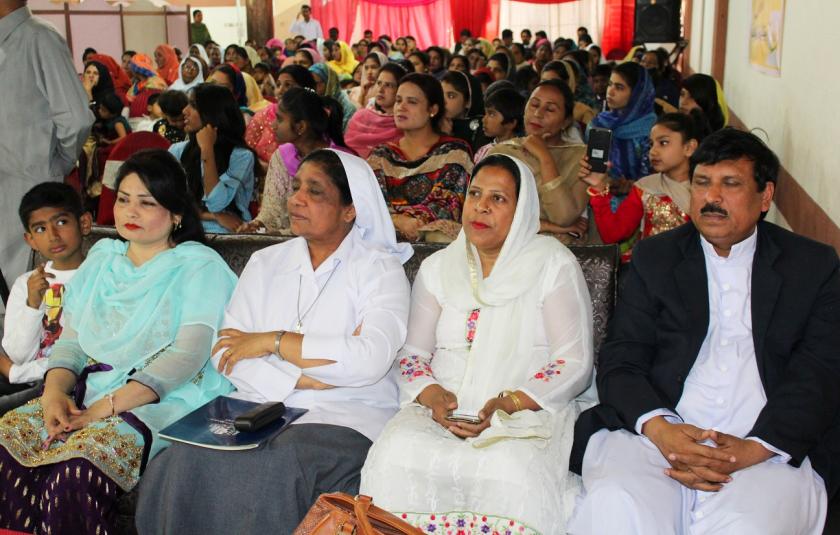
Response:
column 549, row 371
column 414, row 366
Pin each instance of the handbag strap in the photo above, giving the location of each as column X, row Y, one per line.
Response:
column 361, row 506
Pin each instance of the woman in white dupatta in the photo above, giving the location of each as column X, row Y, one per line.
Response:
column 500, row 328
column 315, row 322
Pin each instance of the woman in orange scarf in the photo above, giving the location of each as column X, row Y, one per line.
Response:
column 167, row 62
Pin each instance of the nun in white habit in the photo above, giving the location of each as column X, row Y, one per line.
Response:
column 501, row 329
column 315, row 322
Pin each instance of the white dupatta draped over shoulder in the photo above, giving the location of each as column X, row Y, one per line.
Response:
column 509, row 298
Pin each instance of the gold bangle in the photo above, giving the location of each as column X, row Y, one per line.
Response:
column 592, row 192
column 517, row 403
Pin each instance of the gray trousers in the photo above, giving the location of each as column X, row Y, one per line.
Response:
column 192, row 490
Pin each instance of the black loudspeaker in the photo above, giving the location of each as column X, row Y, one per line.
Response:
column 657, row 21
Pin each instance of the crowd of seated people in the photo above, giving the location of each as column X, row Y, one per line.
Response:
column 714, row 407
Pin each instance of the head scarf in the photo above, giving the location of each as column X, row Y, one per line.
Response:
column 630, row 130
column 238, row 84
column 508, row 298
column 179, row 84
column 256, row 101
column 143, row 65
column 372, row 217
column 383, row 59
column 329, row 77
column 274, row 43
column 368, row 129
column 202, row 52
column 253, row 56
column 313, row 54
column 346, row 64
column 169, row 70
column 721, row 98
column 580, row 87
column 118, row 76
column 105, row 85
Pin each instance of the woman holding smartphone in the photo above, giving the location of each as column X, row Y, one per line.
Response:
column 630, row 117
column 499, row 346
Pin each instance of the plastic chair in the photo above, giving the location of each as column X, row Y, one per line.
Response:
column 121, row 152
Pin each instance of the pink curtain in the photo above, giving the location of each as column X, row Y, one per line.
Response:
column 429, row 23
column 401, row 3
column 544, row 1
column 340, row 14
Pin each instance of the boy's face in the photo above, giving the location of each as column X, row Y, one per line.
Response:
column 155, row 111
column 176, row 120
column 57, row 235
column 599, row 84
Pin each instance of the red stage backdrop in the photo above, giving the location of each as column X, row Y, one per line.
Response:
column 428, row 22
column 619, row 25
column 340, row 14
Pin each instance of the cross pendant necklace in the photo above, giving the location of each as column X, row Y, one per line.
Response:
column 300, row 318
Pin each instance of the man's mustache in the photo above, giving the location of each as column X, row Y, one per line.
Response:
column 710, row 208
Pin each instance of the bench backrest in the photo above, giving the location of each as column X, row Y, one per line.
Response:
column 598, row 262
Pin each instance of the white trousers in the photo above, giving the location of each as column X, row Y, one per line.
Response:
column 627, row 492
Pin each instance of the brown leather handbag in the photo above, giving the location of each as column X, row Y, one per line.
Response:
column 342, row 514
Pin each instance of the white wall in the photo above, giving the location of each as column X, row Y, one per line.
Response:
column 558, row 20
column 797, row 109
column 702, row 34
column 223, row 23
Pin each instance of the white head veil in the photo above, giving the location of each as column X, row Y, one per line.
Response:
column 179, row 84
column 201, row 52
column 372, row 217
column 508, row 298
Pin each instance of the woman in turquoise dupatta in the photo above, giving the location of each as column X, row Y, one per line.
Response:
column 630, row 120
column 141, row 316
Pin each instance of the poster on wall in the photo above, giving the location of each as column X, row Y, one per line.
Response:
column 766, row 36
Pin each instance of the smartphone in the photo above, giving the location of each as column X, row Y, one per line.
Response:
column 464, row 417
column 598, row 149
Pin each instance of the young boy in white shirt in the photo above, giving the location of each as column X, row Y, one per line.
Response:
column 54, row 224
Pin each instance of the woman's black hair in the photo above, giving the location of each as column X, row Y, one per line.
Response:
column 504, row 60
column 322, row 114
column 105, row 84
column 503, row 162
column 581, row 57
column 331, row 165
column 395, row 69
column 216, row 106
column 510, row 104
column 422, row 56
column 301, row 75
column 458, row 56
column 375, row 56
column 470, row 88
column 431, row 88
column 691, row 126
column 568, row 96
column 173, row 102
column 631, row 72
column 732, row 144
column 234, row 76
column 556, row 66
column 703, row 90
column 442, row 52
column 50, row 195
column 112, row 103
column 525, row 80
column 165, row 179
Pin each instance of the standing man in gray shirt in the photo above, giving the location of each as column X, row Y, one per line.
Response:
column 44, row 118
